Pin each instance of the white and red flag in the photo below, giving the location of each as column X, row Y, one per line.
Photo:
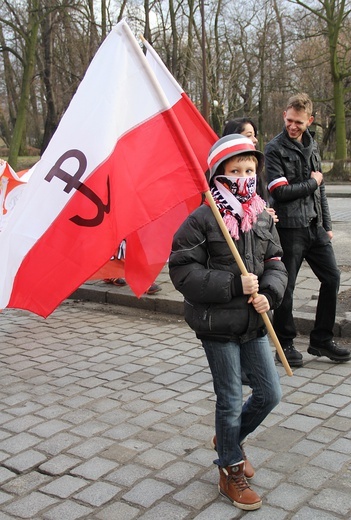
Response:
column 121, row 165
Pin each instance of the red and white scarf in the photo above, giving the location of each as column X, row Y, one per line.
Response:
column 238, row 202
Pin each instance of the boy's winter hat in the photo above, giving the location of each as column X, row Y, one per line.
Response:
column 230, row 145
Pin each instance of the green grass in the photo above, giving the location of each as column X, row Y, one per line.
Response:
column 25, row 162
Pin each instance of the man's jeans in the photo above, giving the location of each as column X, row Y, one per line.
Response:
column 313, row 245
column 234, row 421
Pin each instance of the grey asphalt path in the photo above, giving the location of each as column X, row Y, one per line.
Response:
column 107, row 413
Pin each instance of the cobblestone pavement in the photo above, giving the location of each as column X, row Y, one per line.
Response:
column 107, row 414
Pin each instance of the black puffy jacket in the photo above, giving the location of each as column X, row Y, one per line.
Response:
column 297, row 202
column 203, row 269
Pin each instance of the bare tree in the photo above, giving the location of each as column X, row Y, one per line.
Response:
column 332, row 15
column 30, row 41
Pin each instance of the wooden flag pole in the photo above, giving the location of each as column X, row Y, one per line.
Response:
column 244, row 271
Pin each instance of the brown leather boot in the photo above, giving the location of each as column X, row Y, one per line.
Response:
column 233, row 485
column 248, row 471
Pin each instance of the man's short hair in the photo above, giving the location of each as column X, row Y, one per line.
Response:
column 300, row 102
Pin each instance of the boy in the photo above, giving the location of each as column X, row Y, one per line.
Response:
column 220, row 309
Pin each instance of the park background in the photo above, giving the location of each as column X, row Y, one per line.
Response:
column 232, row 57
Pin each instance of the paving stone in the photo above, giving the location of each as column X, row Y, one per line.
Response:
column 136, row 444
column 196, row 495
column 147, row 418
column 127, row 475
column 342, row 424
column 334, row 400
column 286, row 462
column 118, row 511
column 4, row 497
column 288, row 496
column 202, row 457
column 122, row 431
column 334, row 501
column 220, row 509
column 160, row 395
column 147, row 492
column 330, row 460
column 68, row 510
column 90, row 428
column 300, row 398
column 307, row 447
column 5, row 475
column 307, row 513
column 267, row 478
column 165, row 510
column 49, row 428
column 155, row 458
column 318, row 410
column 64, row 486
column 341, row 445
column 18, row 443
column 23, row 423
column 119, row 453
column 58, row 443
column 59, row 465
column 301, row 423
column 29, row 506
column 97, row 494
column 94, row 468
column 310, row 476
column 323, row 435
column 179, row 473
column 25, row 461
column 346, row 412
column 90, row 447
column 5, row 517
column 179, row 445
column 23, row 484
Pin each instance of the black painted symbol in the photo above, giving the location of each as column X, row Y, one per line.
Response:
column 73, row 181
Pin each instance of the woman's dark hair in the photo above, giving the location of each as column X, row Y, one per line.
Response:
column 237, row 126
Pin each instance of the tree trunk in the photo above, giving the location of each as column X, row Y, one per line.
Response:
column 28, row 70
column 51, row 113
column 340, row 121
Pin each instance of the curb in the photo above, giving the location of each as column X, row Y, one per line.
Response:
column 304, row 320
column 149, row 303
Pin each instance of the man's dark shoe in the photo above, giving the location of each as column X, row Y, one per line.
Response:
column 293, row 357
column 331, row 350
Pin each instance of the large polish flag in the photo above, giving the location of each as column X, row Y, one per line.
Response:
column 120, row 166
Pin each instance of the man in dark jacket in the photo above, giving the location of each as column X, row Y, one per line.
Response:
column 295, row 182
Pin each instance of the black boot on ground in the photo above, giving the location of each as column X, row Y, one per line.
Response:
column 331, row 350
column 293, row 357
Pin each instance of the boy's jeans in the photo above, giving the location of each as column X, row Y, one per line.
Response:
column 234, row 421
